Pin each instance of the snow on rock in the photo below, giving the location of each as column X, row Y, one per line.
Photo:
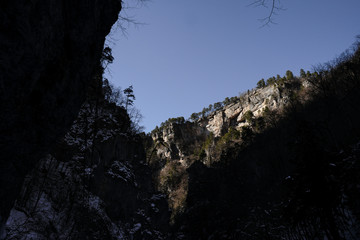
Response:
column 28, row 224
column 88, row 171
column 135, row 228
column 70, row 192
column 121, row 171
column 94, row 202
column 158, row 196
column 86, row 127
column 16, row 221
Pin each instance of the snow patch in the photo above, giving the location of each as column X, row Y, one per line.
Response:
column 94, row 202
column 158, row 196
column 121, row 171
column 135, row 228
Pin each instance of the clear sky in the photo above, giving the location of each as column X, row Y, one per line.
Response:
column 191, row 53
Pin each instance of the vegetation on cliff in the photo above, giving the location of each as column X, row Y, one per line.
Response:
column 95, row 182
column 285, row 173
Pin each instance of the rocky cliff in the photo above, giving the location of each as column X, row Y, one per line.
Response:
column 95, row 184
column 180, row 141
column 255, row 101
column 278, row 162
column 178, row 144
column 49, row 51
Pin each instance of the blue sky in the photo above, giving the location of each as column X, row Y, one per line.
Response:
column 191, row 53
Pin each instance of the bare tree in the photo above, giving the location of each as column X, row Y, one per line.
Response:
column 124, row 19
column 136, row 117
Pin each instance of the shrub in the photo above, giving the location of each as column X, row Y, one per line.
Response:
column 206, row 145
column 202, row 154
column 259, row 124
column 208, row 141
column 248, row 116
column 281, row 81
column 169, row 176
column 231, row 135
column 246, row 134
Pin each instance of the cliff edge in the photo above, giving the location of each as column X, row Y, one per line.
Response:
column 49, row 51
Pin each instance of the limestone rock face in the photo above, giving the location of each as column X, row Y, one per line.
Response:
column 216, row 123
column 181, row 140
column 178, row 146
column 254, row 101
column 49, row 51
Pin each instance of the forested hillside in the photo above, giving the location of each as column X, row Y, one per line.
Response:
column 278, row 162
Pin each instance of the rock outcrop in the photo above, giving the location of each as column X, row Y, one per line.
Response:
column 181, row 140
column 49, row 51
column 276, row 163
column 178, row 141
column 179, row 144
column 255, row 101
column 94, row 185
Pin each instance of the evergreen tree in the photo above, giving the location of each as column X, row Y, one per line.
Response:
column 289, row 75
column 130, row 97
column 106, row 57
column 194, row 117
column 233, row 99
column 308, row 74
column 261, row 83
column 270, row 81
column 217, row 105
column 204, row 112
column 226, row 101
column 302, row 73
column 106, row 90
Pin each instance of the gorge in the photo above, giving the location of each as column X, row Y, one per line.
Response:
column 280, row 161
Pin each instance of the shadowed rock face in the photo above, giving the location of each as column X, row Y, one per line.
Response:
column 94, row 184
column 49, row 51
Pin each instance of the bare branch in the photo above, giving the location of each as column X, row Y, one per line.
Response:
column 273, row 5
column 124, row 19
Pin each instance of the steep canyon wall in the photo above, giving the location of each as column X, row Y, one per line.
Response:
column 49, row 51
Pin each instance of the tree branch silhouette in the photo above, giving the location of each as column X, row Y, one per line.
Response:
column 273, row 5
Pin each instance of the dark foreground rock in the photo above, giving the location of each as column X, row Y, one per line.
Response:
column 94, row 185
column 49, row 51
